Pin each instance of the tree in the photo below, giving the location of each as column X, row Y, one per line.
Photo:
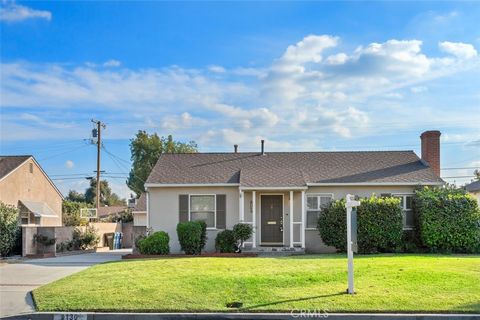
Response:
column 8, row 228
column 107, row 197
column 146, row 149
column 71, row 213
column 477, row 174
column 75, row 196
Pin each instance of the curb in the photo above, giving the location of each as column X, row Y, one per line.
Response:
column 266, row 316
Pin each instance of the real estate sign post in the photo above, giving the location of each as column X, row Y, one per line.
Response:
column 351, row 237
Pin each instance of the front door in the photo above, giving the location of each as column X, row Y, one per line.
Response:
column 272, row 219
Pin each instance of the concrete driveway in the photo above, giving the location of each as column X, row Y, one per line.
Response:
column 18, row 279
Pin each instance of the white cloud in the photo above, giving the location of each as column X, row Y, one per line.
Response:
column 216, row 69
column 112, row 63
column 459, row 49
column 69, row 164
column 419, row 89
column 339, row 58
column 12, row 12
column 307, row 89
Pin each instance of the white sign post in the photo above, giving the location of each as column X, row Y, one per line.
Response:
column 351, row 203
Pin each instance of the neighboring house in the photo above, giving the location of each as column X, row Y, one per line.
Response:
column 25, row 185
column 281, row 194
column 139, row 212
column 107, row 212
column 474, row 189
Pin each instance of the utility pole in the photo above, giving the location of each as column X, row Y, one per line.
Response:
column 100, row 125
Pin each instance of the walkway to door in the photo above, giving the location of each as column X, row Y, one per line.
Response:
column 17, row 279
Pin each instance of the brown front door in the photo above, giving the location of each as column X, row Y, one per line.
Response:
column 272, row 219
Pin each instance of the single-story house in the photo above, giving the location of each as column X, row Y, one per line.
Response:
column 474, row 189
column 26, row 186
column 139, row 211
column 281, row 194
column 107, row 212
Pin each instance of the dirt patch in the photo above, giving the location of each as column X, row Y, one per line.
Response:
column 203, row 255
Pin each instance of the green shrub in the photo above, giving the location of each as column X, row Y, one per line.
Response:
column 71, row 213
column 225, row 241
column 448, row 220
column 192, row 236
column 332, row 225
column 84, row 239
column 379, row 225
column 8, row 228
column 203, row 237
column 157, row 243
column 242, row 232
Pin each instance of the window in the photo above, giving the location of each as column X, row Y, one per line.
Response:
column 202, row 207
column 31, row 167
column 24, row 216
column 406, row 204
column 315, row 205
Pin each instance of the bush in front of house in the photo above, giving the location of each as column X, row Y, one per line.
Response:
column 448, row 220
column 332, row 225
column 242, row 232
column 156, row 243
column 8, row 228
column 379, row 225
column 225, row 241
column 232, row 240
column 192, row 236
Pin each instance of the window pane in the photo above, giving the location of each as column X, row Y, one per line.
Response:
column 202, row 203
column 312, row 202
column 312, row 219
column 408, row 202
column 208, row 217
column 325, row 201
column 409, row 220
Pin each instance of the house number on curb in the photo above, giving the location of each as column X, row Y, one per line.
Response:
column 70, row 316
column 351, row 237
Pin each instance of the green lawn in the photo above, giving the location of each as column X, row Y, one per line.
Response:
column 404, row 283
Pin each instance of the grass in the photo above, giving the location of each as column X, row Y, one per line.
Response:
column 384, row 283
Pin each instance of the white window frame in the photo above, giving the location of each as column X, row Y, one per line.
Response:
column 332, row 198
column 404, row 208
column 214, row 208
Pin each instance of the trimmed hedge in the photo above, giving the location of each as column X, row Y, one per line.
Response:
column 448, row 220
column 8, row 228
column 379, row 222
column 192, row 236
column 157, row 243
column 225, row 241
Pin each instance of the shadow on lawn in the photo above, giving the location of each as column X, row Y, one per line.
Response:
column 290, row 300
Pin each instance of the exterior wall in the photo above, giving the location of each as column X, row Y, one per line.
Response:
column 476, row 195
column 23, row 185
column 140, row 219
column 63, row 234
column 164, row 212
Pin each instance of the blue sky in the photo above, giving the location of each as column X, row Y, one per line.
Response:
column 302, row 75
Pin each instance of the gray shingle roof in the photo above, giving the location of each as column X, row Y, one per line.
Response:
column 287, row 169
column 474, row 186
column 10, row 163
column 141, row 204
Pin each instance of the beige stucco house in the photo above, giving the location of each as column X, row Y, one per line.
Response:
column 139, row 212
column 25, row 185
column 281, row 194
column 474, row 189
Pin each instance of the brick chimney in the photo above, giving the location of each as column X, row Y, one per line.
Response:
column 431, row 149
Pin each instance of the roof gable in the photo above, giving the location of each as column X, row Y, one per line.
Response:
column 8, row 164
